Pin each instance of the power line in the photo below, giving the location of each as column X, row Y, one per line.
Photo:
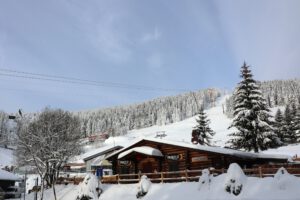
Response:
column 72, row 80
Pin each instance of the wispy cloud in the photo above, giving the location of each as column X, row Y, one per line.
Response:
column 110, row 43
column 101, row 28
column 151, row 36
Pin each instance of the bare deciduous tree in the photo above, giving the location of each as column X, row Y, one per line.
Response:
column 47, row 142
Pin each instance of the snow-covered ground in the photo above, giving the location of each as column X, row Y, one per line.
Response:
column 6, row 157
column 181, row 131
column 232, row 185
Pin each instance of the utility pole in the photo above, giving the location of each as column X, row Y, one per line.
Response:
column 36, row 186
column 14, row 117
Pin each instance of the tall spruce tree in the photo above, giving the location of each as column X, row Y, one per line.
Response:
column 279, row 126
column 202, row 131
column 297, row 124
column 251, row 116
column 289, row 126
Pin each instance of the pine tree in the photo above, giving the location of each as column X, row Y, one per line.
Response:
column 251, row 116
column 297, row 124
column 202, row 133
column 278, row 126
column 293, row 110
column 288, row 129
column 275, row 98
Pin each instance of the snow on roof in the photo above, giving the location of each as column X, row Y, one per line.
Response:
column 4, row 175
column 219, row 150
column 143, row 150
column 97, row 160
column 99, row 152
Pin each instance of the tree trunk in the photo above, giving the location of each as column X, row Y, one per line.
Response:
column 42, row 188
column 54, row 192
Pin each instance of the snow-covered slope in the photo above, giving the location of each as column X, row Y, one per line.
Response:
column 181, row 131
column 6, row 157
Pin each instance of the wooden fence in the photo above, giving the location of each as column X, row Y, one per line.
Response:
column 189, row 175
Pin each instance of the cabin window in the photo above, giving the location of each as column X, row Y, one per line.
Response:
column 125, row 166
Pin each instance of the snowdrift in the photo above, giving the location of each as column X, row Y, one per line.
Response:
column 230, row 186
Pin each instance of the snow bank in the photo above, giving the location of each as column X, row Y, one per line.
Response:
column 143, row 186
column 205, row 180
column 235, row 179
column 88, row 187
column 283, row 180
column 282, row 187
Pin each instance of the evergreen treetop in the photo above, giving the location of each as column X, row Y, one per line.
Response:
column 251, row 116
column 202, row 133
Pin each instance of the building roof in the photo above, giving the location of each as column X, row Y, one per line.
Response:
column 219, row 150
column 4, row 175
column 99, row 151
column 143, row 150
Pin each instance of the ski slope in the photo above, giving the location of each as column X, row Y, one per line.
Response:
column 6, row 157
column 181, row 131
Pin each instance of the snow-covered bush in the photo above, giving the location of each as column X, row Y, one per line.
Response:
column 88, row 188
column 205, row 180
column 282, row 179
column 235, row 179
column 143, row 186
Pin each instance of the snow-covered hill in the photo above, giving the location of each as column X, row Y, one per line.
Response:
column 181, row 131
column 6, row 157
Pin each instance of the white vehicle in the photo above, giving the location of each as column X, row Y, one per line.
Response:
column 13, row 192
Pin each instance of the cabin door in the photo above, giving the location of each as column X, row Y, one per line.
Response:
column 147, row 167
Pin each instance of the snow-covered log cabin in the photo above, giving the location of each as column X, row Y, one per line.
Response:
column 158, row 155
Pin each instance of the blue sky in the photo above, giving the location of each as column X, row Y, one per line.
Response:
column 186, row 45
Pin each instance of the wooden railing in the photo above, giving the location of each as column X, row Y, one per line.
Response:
column 190, row 175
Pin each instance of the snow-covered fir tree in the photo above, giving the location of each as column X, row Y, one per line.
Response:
column 251, row 116
column 279, row 126
column 289, row 126
column 297, row 123
column 202, row 133
column 277, row 93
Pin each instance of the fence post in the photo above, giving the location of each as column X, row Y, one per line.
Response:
column 162, row 177
column 118, row 179
column 260, row 172
column 186, row 176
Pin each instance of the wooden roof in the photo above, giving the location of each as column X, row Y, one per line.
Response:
column 218, row 150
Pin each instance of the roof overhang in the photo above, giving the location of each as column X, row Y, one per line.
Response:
column 217, row 150
column 142, row 150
